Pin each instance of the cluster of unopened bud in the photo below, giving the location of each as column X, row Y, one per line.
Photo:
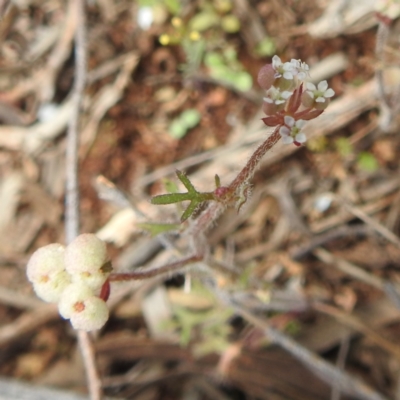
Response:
column 76, row 278
column 290, row 100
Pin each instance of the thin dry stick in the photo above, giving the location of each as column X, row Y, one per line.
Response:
column 72, row 193
column 327, row 372
column 27, row 323
column 354, row 323
column 385, row 232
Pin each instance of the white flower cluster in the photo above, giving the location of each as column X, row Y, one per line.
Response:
column 73, row 277
column 290, row 100
column 388, row 8
column 319, row 93
column 291, row 131
column 290, row 69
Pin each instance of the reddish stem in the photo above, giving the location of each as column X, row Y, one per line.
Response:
column 138, row 275
column 250, row 168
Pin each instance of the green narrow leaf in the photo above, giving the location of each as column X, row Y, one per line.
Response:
column 189, row 211
column 171, row 198
column 185, row 180
column 157, row 228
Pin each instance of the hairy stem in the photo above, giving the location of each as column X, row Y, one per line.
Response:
column 250, row 168
column 215, row 209
column 167, row 268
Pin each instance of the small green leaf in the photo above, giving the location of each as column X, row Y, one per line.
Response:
column 186, row 181
column 266, row 47
column 164, row 199
column 186, row 121
column 367, row 162
column 190, row 118
column 177, row 129
column 217, row 181
column 230, row 23
column 189, row 211
column 230, row 55
column 213, row 59
column 344, row 147
column 243, row 81
column 157, row 228
column 203, row 21
column 173, row 6
column 222, row 6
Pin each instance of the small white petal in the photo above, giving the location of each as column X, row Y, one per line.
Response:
column 288, row 75
column 329, row 93
column 322, row 86
column 295, row 63
column 310, row 86
column 301, row 137
column 279, row 101
column 276, row 62
column 320, row 100
column 284, row 131
column 268, row 100
column 288, row 66
column 289, row 121
column 285, row 94
column 287, row 140
column 300, row 123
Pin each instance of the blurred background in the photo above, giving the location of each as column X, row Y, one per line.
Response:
column 173, row 85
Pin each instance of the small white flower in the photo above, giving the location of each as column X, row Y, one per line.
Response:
column 300, row 69
column 277, row 97
column 283, row 69
column 291, row 131
column 319, row 93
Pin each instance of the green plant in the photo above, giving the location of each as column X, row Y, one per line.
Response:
column 201, row 38
column 289, row 102
column 365, row 160
column 187, row 120
column 225, row 67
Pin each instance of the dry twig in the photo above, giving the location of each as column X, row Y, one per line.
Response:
column 72, row 193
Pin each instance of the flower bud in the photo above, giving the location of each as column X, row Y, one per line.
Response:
column 86, row 260
column 266, row 76
column 72, row 297
column 46, row 270
column 45, row 261
column 50, row 288
column 86, row 311
column 93, row 316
